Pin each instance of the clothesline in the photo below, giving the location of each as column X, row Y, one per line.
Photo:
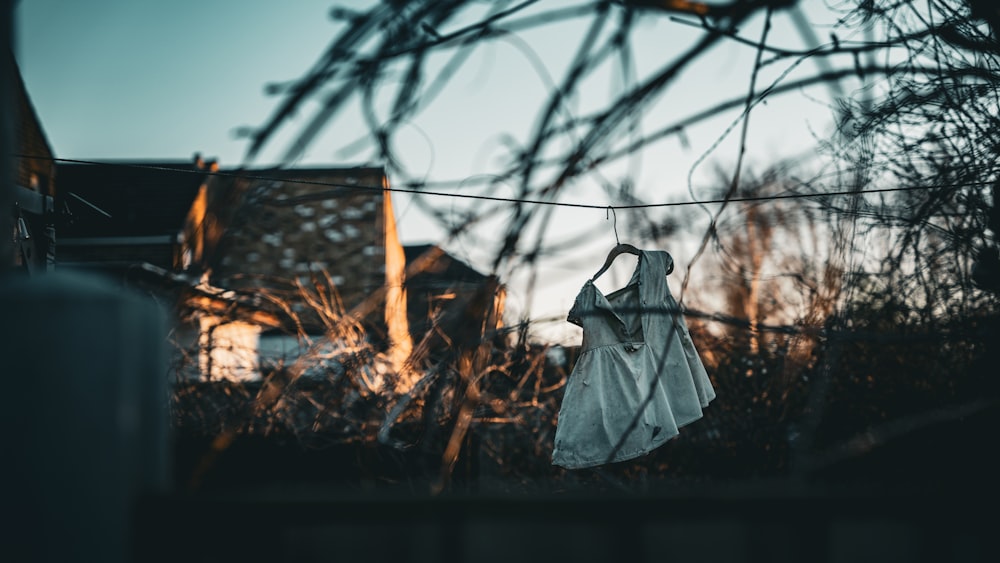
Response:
column 414, row 188
column 791, row 329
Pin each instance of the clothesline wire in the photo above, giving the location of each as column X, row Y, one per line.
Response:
column 714, row 317
column 417, row 191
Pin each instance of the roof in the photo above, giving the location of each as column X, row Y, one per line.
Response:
column 445, row 271
column 143, row 198
column 351, row 175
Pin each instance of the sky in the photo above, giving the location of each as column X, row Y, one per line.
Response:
column 142, row 79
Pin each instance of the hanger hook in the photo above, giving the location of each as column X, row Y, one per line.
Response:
column 615, row 224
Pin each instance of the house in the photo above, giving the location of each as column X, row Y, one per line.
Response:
column 34, row 212
column 266, row 236
column 283, row 256
column 251, row 258
column 286, row 224
column 127, row 212
column 446, row 296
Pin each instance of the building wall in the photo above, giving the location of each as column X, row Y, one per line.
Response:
column 36, row 174
column 228, row 350
column 286, row 230
column 34, row 178
column 291, row 228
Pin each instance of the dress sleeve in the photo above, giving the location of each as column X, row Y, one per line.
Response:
column 662, row 259
column 575, row 312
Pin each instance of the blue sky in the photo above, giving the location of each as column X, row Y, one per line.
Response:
column 141, row 79
column 117, row 79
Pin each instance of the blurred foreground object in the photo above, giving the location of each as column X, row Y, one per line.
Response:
column 84, row 371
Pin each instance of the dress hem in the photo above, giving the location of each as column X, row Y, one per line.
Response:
column 624, row 456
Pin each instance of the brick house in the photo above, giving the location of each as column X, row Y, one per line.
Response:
column 269, row 232
column 34, row 210
column 235, row 249
column 285, row 224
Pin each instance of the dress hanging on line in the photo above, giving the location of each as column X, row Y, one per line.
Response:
column 635, row 342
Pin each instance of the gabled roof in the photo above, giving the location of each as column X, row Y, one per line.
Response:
column 144, row 198
column 443, row 272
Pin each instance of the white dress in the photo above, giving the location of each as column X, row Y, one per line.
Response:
column 638, row 378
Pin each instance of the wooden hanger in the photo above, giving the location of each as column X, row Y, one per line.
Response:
column 620, row 248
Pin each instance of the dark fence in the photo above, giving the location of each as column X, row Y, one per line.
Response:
column 772, row 523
